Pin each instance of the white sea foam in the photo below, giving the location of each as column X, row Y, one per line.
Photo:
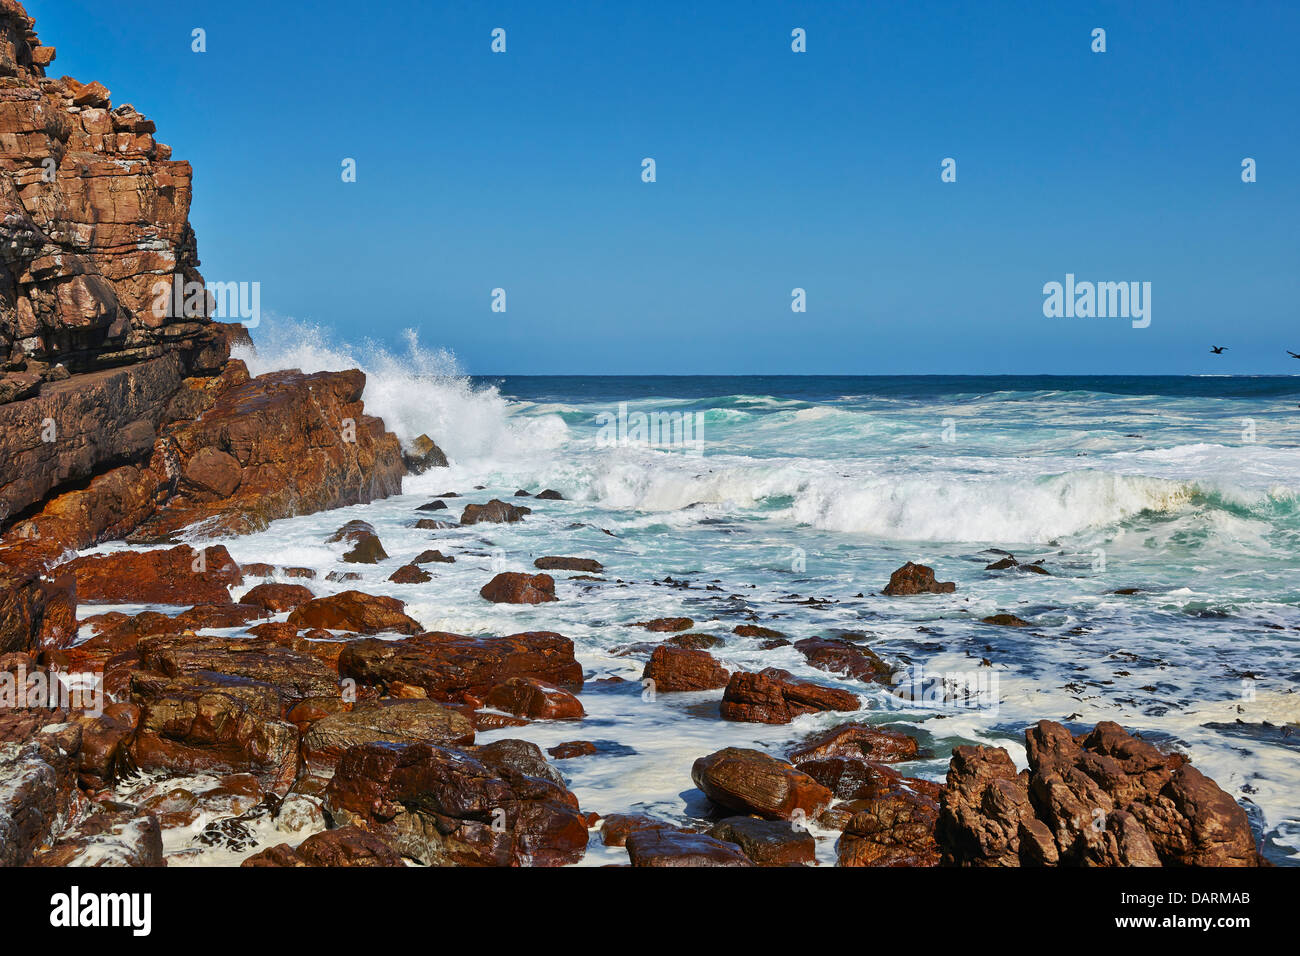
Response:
column 423, row 391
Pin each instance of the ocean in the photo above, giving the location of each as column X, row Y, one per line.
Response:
column 1163, row 510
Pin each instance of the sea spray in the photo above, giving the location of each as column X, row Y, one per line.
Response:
column 420, row 391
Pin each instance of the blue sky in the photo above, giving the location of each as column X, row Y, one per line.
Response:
column 775, row 170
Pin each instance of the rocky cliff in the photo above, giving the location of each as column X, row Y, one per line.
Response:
column 106, row 369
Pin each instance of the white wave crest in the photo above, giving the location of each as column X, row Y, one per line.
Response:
column 423, row 391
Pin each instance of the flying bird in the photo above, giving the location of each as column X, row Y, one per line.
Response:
column 1218, row 349
column 1292, row 354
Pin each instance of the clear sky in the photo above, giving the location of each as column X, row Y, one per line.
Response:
column 775, row 170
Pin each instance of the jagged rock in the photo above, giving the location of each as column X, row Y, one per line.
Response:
column 422, row 455
column 303, row 444
column 441, row 806
column 895, row 828
column 1104, row 798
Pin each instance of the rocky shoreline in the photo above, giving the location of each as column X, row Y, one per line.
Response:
column 331, row 728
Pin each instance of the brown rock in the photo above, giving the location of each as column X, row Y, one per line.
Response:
column 865, row 741
column 430, row 557
column 214, row 725
column 1004, row 620
column 346, row 846
column 410, row 574
column 1104, row 798
column 671, row 848
column 572, row 748
column 514, row 587
column 586, row 565
column 768, row 842
column 666, row 624
column 447, row 807
column 423, row 455
column 916, row 579
column 893, row 829
column 355, row 611
column 448, row 666
column 213, row 472
column 393, row 721
column 753, row 630
column 177, row 575
column 617, row 827
column 277, row 597
column 839, row 656
column 774, row 696
column 534, row 699
column 678, row 669
column 750, row 781
column 496, row 511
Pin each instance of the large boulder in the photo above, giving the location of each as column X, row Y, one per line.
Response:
column 1104, row 798
column 534, row 699
column 210, row 723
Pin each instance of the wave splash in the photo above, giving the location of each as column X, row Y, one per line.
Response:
column 420, row 391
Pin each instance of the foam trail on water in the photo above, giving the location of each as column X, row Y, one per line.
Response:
column 422, row 391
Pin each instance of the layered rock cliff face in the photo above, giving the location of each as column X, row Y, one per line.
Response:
column 119, row 404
